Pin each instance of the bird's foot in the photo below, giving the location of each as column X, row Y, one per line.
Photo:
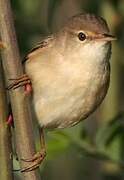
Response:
column 35, row 161
column 10, row 120
column 24, row 80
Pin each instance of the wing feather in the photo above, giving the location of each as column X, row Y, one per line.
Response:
column 40, row 45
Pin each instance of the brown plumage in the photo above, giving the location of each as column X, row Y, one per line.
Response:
column 70, row 71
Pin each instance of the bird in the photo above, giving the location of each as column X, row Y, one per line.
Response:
column 69, row 72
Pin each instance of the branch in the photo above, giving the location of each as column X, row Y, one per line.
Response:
column 5, row 136
column 19, row 101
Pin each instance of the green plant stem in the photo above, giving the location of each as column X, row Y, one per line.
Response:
column 19, row 101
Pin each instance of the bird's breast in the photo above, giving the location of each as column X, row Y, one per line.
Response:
column 63, row 96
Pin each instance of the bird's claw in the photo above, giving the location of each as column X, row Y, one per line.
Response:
column 18, row 82
column 36, row 160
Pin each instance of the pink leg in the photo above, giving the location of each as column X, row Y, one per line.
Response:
column 28, row 88
column 10, row 120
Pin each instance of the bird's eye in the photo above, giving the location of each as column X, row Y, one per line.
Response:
column 81, row 36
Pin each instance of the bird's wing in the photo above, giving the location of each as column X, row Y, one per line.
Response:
column 40, row 45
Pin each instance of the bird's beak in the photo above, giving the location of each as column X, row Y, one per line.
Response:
column 107, row 37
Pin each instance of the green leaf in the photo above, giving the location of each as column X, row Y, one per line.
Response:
column 107, row 132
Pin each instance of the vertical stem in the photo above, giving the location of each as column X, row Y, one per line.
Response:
column 5, row 136
column 19, row 101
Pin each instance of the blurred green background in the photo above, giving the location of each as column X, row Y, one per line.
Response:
column 94, row 149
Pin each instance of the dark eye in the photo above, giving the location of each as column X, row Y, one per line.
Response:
column 81, row 36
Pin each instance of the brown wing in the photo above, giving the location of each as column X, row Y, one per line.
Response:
column 41, row 44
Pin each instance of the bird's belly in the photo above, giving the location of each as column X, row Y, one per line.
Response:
column 66, row 105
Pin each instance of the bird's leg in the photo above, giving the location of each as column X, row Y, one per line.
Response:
column 10, row 120
column 37, row 159
column 24, row 80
